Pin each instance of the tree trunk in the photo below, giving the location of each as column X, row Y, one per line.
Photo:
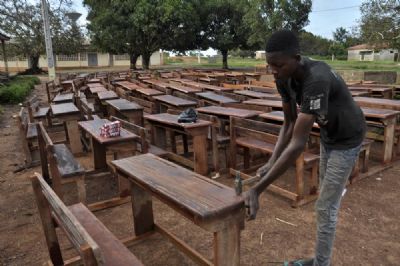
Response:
column 133, row 59
column 146, row 60
column 224, row 59
column 34, row 69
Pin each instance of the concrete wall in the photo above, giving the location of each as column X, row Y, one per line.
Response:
column 384, row 77
column 384, row 55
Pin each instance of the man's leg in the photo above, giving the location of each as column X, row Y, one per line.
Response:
column 323, row 160
column 338, row 169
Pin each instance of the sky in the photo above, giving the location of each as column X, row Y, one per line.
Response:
column 327, row 15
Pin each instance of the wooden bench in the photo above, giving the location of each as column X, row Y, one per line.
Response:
column 64, row 168
column 362, row 160
column 52, row 90
column 95, row 244
column 208, row 204
column 37, row 113
column 148, row 106
column 254, row 135
column 28, row 137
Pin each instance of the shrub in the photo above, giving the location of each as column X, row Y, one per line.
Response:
column 16, row 90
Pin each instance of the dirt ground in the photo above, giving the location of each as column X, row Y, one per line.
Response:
column 368, row 231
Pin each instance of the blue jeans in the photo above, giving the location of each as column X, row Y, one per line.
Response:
column 334, row 171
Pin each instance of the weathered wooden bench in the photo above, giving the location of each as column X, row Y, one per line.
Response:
column 208, row 204
column 28, row 138
column 52, row 90
column 254, row 135
column 64, row 168
column 95, row 244
column 37, row 113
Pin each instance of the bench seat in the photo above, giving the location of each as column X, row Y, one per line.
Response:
column 113, row 251
column 42, row 112
column 31, row 132
column 66, row 163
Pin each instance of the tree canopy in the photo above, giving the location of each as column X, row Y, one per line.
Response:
column 380, row 23
column 22, row 21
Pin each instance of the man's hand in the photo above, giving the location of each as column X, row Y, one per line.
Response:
column 263, row 170
column 251, row 202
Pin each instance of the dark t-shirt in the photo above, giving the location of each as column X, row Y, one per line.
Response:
column 324, row 93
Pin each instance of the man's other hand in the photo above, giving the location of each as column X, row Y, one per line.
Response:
column 251, row 202
column 263, row 170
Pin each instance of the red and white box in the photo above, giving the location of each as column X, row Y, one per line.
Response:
column 112, row 129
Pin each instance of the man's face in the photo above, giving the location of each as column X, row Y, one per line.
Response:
column 282, row 65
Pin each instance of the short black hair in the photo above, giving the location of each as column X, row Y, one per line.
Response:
column 283, row 41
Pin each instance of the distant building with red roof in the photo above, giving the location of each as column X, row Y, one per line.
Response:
column 366, row 52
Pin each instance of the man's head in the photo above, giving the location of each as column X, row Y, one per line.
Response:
column 282, row 52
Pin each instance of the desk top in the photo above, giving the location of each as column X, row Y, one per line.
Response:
column 196, row 197
column 278, row 116
column 212, row 96
column 124, row 105
column 66, row 97
column 93, row 128
column 94, row 80
column 228, row 111
column 69, row 81
column 149, row 92
column 175, row 101
column 127, row 85
column 215, row 88
column 359, row 93
column 378, row 103
column 63, row 109
column 172, row 120
column 92, row 85
column 379, row 113
column 94, row 90
column 184, row 89
column 107, row 95
column 265, row 102
column 254, row 94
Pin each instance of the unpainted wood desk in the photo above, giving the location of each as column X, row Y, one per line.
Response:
column 160, row 123
column 70, row 115
column 378, row 103
column 63, row 98
column 208, row 204
column 168, row 101
column 271, row 104
column 99, row 144
column 213, row 98
column 130, row 110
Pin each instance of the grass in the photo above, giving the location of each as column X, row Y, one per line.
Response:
column 16, row 90
column 236, row 62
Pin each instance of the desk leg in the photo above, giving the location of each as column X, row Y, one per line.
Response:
column 227, row 246
column 159, row 137
column 388, row 140
column 200, row 154
column 74, row 136
column 142, row 209
column 99, row 155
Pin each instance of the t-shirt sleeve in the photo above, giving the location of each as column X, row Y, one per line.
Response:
column 282, row 86
column 315, row 98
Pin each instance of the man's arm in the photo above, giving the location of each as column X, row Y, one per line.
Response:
column 289, row 155
column 285, row 134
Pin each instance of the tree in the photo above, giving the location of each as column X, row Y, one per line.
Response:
column 311, row 44
column 141, row 27
column 346, row 38
column 337, row 49
column 266, row 16
column 380, row 23
column 22, row 21
column 223, row 28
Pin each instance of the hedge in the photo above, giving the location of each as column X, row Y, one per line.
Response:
column 16, row 90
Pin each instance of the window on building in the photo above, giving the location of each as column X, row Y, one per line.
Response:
column 83, row 56
column 121, row 57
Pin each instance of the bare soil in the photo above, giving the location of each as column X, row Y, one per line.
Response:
column 368, row 231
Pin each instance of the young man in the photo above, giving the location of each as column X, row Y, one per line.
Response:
column 323, row 97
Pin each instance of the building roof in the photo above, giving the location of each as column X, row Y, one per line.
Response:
column 4, row 37
column 366, row 46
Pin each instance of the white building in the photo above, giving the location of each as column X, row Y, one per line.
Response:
column 365, row 52
column 260, row 55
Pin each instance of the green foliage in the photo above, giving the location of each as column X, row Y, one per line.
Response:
column 311, row 44
column 17, row 89
column 380, row 23
column 346, row 38
column 266, row 16
column 337, row 49
column 22, row 20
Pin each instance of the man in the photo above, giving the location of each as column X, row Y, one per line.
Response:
column 322, row 97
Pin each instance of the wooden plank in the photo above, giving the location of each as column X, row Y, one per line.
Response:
column 142, row 210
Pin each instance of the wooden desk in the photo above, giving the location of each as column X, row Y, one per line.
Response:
column 67, row 84
column 214, row 98
column 216, row 88
column 273, row 105
column 92, row 127
column 168, row 101
column 98, row 89
column 69, row 114
column 107, row 95
column 184, row 89
column 122, row 107
column 63, row 98
column 126, row 85
column 199, row 131
column 148, row 92
column 378, row 103
column 226, row 112
column 92, row 85
column 208, row 204
column 94, row 80
column 259, row 95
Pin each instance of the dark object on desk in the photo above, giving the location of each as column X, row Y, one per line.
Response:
column 187, row 116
